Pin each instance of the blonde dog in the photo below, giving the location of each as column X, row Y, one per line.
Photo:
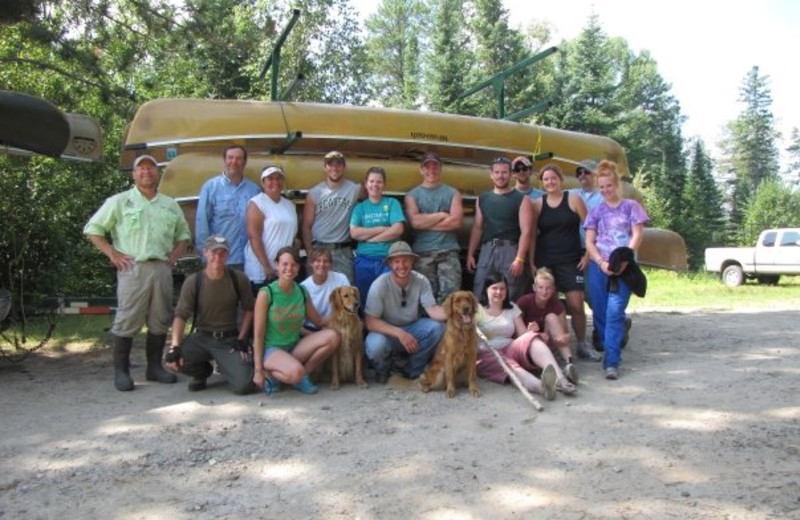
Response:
column 346, row 364
column 456, row 353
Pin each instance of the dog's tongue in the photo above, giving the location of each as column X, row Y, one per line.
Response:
column 467, row 319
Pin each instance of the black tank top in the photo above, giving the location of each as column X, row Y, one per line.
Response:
column 559, row 239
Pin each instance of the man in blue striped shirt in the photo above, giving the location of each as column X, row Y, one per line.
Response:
column 222, row 206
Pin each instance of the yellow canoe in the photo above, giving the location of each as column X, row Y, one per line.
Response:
column 188, row 137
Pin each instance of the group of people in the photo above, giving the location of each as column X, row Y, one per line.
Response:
column 247, row 290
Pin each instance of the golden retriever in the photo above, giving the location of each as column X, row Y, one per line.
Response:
column 346, row 363
column 456, row 353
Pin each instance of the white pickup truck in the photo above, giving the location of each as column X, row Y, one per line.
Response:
column 777, row 252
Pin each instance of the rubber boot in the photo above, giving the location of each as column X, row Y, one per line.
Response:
column 122, row 363
column 155, row 370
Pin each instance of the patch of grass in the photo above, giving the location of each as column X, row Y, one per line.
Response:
column 73, row 331
column 667, row 290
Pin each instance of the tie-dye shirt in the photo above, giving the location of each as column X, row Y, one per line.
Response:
column 614, row 226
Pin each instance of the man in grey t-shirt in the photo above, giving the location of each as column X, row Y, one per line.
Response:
column 393, row 317
column 435, row 212
column 326, row 214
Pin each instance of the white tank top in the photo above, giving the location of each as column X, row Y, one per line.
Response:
column 280, row 228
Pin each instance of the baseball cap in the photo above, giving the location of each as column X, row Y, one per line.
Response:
column 521, row 160
column 271, row 170
column 334, row 156
column 217, row 242
column 586, row 165
column 430, row 156
column 142, row 158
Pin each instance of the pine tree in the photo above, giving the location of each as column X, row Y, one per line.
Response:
column 703, row 214
column 792, row 173
column 449, row 57
column 749, row 149
column 393, row 45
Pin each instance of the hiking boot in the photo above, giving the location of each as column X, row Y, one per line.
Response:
column 549, row 382
column 121, row 351
column 154, row 349
column 381, row 377
column 196, row 384
column 306, row 386
column 571, row 372
column 612, row 373
column 586, row 351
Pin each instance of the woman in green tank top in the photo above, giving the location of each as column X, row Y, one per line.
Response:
column 281, row 355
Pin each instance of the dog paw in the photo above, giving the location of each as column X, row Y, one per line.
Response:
column 362, row 384
column 334, row 386
column 475, row 392
column 451, row 392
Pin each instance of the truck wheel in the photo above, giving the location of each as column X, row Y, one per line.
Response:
column 733, row 276
column 771, row 279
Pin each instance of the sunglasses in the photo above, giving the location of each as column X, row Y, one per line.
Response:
column 582, row 171
column 403, row 298
column 518, row 169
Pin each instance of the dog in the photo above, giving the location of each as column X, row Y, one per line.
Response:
column 457, row 352
column 346, row 364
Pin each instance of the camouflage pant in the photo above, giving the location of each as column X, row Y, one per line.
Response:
column 443, row 270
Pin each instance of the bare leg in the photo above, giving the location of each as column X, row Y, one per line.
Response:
column 284, row 367
column 541, row 355
column 528, row 380
column 315, row 348
column 576, row 309
column 559, row 337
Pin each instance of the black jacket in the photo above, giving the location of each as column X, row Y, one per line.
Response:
column 632, row 275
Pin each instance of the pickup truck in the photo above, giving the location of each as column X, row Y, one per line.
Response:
column 777, row 252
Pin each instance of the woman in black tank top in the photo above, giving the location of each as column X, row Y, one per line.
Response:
column 558, row 247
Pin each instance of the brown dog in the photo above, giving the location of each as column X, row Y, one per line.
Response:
column 346, row 363
column 456, row 353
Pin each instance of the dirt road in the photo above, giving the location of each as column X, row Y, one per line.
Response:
column 704, row 423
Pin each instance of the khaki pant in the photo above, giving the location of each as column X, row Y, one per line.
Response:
column 144, row 297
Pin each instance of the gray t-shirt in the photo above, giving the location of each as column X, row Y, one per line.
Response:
column 332, row 211
column 385, row 299
column 433, row 200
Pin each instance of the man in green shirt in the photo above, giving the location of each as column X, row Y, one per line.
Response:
column 148, row 234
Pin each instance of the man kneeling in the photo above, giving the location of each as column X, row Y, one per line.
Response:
column 213, row 297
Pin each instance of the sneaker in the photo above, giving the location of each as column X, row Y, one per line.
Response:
column 306, row 386
column 571, row 371
column 196, row 384
column 381, row 377
column 272, row 387
column 565, row 387
column 586, row 351
column 612, row 373
column 549, row 382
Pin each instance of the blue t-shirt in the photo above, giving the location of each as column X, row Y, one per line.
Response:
column 369, row 214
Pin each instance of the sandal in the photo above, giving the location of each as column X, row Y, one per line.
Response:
column 272, row 387
column 565, row 387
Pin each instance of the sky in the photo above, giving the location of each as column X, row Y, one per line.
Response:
column 704, row 49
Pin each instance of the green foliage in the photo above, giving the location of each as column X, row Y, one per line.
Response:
column 773, row 206
column 792, row 173
column 393, row 47
column 449, row 57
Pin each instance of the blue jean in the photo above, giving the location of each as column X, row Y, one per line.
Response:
column 608, row 309
column 380, row 347
column 367, row 269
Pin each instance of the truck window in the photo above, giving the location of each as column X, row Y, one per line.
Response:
column 769, row 239
column 790, row 238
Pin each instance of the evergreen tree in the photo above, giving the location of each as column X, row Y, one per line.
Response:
column 703, row 214
column 749, row 149
column 792, row 173
column 393, row 34
column 449, row 57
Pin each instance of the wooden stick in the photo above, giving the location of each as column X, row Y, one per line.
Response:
column 514, row 379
